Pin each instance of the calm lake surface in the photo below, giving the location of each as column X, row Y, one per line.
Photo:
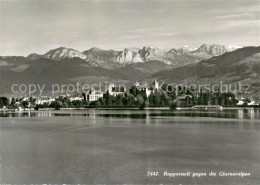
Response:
column 121, row 146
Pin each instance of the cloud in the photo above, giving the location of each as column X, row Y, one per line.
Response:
column 131, row 36
column 249, row 24
column 234, row 16
column 251, row 12
column 167, row 34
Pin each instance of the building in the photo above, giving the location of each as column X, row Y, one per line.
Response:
column 252, row 103
column 116, row 90
column 25, row 99
column 94, row 95
column 155, row 85
column 44, row 99
column 76, row 98
column 240, row 102
column 148, row 91
column 183, row 96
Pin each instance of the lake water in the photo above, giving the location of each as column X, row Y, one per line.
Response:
column 122, row 146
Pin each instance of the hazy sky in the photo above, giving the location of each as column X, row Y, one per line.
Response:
column 28, row 26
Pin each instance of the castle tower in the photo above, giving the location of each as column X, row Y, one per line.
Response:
column 155, row 85
column 110, row 88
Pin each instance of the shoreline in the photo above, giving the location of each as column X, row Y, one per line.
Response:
column 147, row 108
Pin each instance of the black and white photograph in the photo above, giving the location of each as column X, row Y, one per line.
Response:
column 130, row 92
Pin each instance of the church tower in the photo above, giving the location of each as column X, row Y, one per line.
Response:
column 155, row 85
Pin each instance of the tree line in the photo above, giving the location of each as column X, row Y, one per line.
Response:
column 135, row 98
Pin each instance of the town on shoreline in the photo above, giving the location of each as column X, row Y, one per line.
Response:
column 138, row 97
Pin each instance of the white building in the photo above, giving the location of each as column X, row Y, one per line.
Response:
column 252, row 102
column 76, row 98
column 44, row 99
column 249, row 102
column 25, row 99
column 240, row 102
column 94, row 95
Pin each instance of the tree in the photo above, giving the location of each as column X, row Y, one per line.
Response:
column 119, row 100
column 134, row 91
column 1, row 103
column 108, row 99
column 95, row 104
column 25, row 104
column 56, row 104
column 65, row 105
column 13, row 102
column 150, row 99
column 165, row 99
column 157, row 99
column 139, row 99
column 128, row 100
column 173, row 106
column 77, row 103
column 146, row 103
column 142, row 106
column 32, row 101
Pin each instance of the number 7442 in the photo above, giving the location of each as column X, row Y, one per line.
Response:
column 152, row 173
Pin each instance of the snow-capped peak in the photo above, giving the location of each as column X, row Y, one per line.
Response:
column 233, row 47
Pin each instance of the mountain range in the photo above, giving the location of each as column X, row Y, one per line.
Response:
column 204, row 64
column 111, row 59
column 240, row 66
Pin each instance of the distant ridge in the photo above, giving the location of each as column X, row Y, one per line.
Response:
column 111, row 59
column 241, row 65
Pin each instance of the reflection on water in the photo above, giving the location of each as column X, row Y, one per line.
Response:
column 138, row 114
column 120, row 146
